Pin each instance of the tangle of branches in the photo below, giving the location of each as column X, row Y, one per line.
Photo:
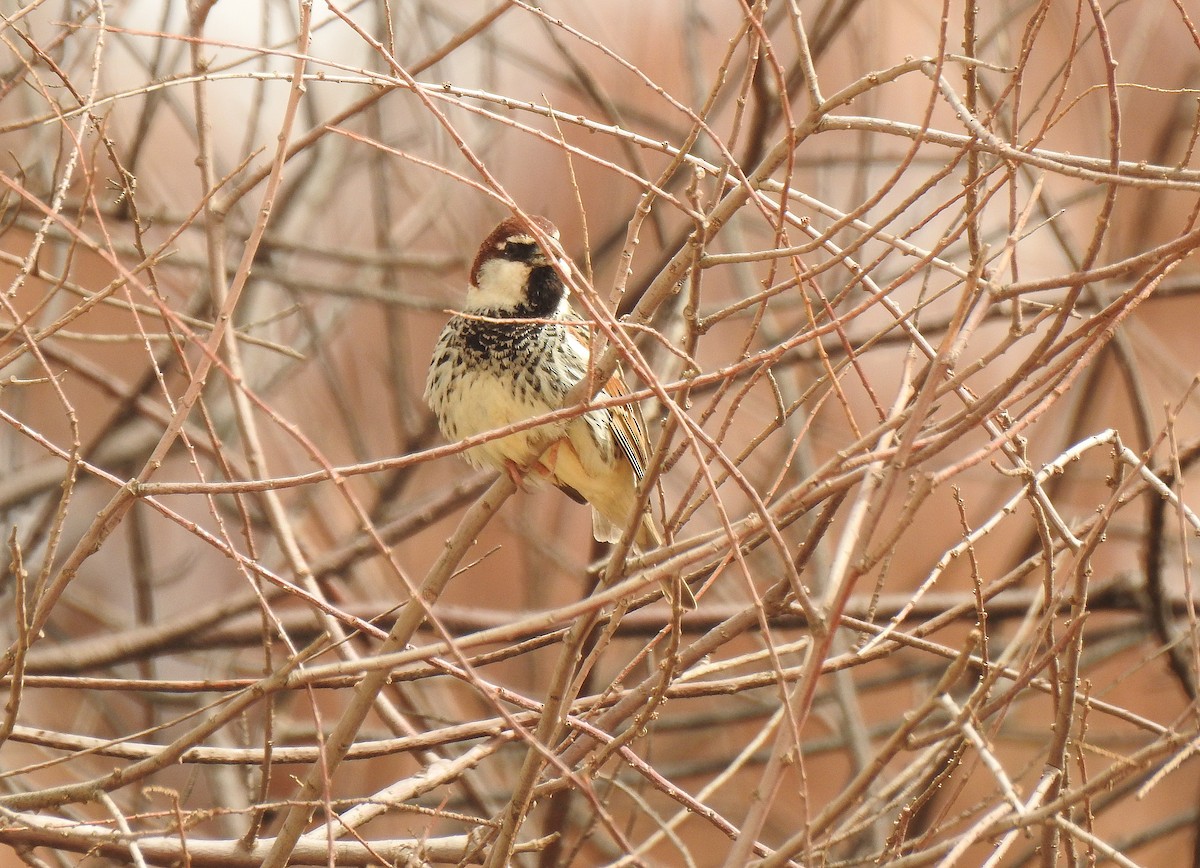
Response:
column 903, row 290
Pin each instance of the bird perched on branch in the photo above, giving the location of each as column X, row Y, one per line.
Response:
column 513, row 353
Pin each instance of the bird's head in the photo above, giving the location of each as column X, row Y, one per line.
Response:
column 513, row 275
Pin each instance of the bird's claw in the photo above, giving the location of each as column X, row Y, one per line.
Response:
column 516, row 474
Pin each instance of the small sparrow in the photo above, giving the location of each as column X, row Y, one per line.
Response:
column 514, row 353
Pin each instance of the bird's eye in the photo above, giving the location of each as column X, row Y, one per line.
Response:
column 519, row 251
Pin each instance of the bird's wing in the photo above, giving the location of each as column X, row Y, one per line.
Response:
column 628, row 426
column 626, row 421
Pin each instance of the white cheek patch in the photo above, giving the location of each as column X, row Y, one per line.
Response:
column 502, row 285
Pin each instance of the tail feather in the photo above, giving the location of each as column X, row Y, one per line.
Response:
column 646, row 539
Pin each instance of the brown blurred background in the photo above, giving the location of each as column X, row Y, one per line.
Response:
column 1010, row 190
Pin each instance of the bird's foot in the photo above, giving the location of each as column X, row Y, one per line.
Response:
column 517, row 474
column 523, row 475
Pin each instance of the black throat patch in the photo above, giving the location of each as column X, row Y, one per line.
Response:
column 545, row 292
column 485, row 339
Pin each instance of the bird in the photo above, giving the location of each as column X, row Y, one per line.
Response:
column 514, row 352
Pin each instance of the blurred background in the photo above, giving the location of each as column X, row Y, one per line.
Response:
column 914, row 317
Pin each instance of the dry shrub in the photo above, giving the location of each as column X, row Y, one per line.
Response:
column 905, row 293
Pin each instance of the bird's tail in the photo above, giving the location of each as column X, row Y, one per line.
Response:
column 647, row 539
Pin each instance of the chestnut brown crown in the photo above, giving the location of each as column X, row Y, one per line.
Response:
column 513, row 240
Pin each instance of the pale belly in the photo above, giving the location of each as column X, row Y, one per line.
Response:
column 480, row 403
